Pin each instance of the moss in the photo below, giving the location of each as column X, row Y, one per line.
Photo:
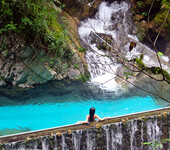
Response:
column 159, row 19
column 154, row 70
column 76, row 66
column 139, row 33
column 98, row 126
column 83, row 78
column 103, row 47
column 58, row 134
column 108, row 41
column 165, row 114
column 158, row 70
column 69, row 132
column 161, row 16
column 93, row 41
column 166, row 75
column 0, row 147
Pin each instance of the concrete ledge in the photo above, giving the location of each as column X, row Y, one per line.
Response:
column 49, row 131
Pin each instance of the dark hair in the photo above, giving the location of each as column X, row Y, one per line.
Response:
column 91, row 112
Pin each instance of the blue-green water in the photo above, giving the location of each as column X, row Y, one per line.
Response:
column 51, row 106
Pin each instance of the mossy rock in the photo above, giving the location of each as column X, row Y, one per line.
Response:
column 102, row 47
column 0, row 147
column 159, row 19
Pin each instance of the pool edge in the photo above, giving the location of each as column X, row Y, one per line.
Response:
column 54, row 130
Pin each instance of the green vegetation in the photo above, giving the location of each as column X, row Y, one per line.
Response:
column 0, row 147
column 84, row 78
column 76, row 66
column 140, row 32
column 165, row 3
column 83, row 50
column 101, row 47
column 127, row 74
column 154, row 70
column 155, row 144
column 38, row 23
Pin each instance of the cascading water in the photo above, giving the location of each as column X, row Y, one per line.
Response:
column 106, row 128
column 113, row 20
column 142, row 135
column 117, row 136
column 153, row 130
column 99, row 67
column 90, row 140
column 113, row 136
column 133, row 130
column 76, row 136
column 64, row 145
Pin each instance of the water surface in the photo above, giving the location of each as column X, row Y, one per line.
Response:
column 53, row 105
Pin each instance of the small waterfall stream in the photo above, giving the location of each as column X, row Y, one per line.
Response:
column 133, row 129
column 76, row 136
column 118, row 136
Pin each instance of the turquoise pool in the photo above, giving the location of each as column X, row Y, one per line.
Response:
column 45, row 108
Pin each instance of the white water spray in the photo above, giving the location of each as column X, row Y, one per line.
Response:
column 112, row 20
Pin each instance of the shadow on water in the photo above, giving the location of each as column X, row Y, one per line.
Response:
column 13, row 131
column 65, row 90
column 60, row 92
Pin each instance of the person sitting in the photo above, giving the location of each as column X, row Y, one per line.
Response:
column 91, row 117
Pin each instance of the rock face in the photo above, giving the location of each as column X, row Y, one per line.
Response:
column 25, row 66
column 81, row 8
column 128, row 134
column 29, row 68
column 26, row 69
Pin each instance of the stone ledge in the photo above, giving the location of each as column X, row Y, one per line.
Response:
column 49, row 131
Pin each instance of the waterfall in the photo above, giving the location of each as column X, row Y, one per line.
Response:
column 44, row 145
column 117, row 136
column 142, row 140
column 153, row 130
column 90, row 140
column 64, row 146
column 55, row 139
column 102, row 69
column 76, row 136
column 112, row 21
column 133, row 129
column 113, row 136
column 106, row 128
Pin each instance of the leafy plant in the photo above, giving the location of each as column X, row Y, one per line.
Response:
column 139, row 3
column 127, row 74
column 76, row 66
column 160, row 54
column 82, row 50
column 39, row 24
column 165, row 3
column 144, row 13
column 84, row 78
column 140, row 63
column 155, row 144
column 5, row 53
